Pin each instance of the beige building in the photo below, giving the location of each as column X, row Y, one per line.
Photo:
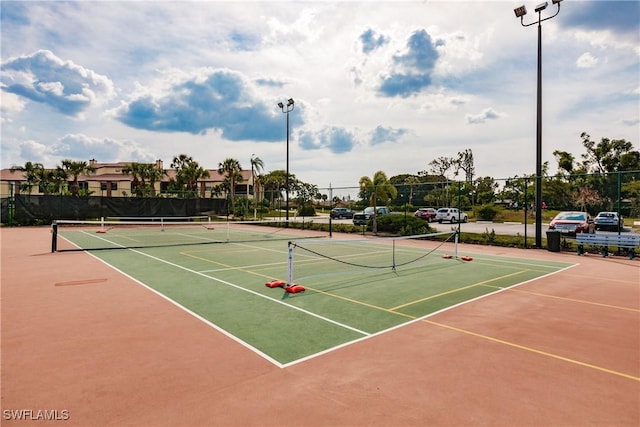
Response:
column 109, row 181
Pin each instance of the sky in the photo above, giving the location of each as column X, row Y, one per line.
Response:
column 377, row 85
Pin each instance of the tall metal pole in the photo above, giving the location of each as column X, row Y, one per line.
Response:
column 287, row 109
column 520, row 12
column 539, row 142
column 287, row 179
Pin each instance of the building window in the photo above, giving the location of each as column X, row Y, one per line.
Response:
column 108, row 185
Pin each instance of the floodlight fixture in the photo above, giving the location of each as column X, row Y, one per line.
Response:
column 290, row 102
column 542, row 6
column 520, row 11
column 280, row 104
column 555, row 1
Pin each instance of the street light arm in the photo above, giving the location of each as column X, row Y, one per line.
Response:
column 554, row 15
column 539, row 17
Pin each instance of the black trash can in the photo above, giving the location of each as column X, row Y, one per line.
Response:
column 553, row 241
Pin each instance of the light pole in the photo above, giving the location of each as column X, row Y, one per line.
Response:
column 520, row 12
column 286, row 109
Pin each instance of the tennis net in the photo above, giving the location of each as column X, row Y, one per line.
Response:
column 310, row 259
column 158, row 232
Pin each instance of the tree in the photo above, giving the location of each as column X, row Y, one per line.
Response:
column 441, row 167
column 411, row 181
column 485, row 190
column 188, row 173
column 138, row 175
column 565, row 161
column 377, row 189
column 304, row 196
column 257, row 165
column 232, row 171
column 154, row 174
column 33, row 175
column 75, row 169
column 465, row 162
column 604, row 159
column 274, row 182
column 48, row 180
column 609, row 155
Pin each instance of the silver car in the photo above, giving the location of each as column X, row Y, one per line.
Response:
column 608, row 220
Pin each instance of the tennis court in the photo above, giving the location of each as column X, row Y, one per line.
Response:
column 354, row 288
column 190, row 335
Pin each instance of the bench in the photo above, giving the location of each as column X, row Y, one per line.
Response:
column 627, row 241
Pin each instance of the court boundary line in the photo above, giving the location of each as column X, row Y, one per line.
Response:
column 425, row 319
column 414, row 319
column 533, row 350
column 365, row 336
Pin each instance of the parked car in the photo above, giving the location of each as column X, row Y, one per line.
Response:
column 428, row 214
column 570, row 223
column 363, row 217
column 608, row 220
column 451, row 215
column 340, row 213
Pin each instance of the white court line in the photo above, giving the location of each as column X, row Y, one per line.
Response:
column 247, row 345
column 311, row 356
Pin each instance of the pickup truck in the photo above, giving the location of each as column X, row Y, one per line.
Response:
column 362, row 218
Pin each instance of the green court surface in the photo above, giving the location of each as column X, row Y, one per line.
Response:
column 224, row 285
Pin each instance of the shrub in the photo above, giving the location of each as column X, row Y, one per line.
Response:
column 405, row 225
column 489, row 237
column 487, row 212
column 308, row 210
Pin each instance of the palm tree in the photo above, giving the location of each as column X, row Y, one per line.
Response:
column 257, row 165
column 378, row 188
column 75, row 169
column 188, row 173
column 232, row 170
column 52, row 180
column 33, row 175
column 139, row 175
column 154, row 174
column 49, row 181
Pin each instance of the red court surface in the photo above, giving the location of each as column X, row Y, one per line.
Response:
column 91, row 347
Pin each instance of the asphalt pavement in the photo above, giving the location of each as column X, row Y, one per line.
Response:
column 479, row 227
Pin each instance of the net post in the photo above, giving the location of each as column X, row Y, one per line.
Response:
column 54, row 236
column 102, row 224
column 393, row 255
column 290, row 247
column 455, row 244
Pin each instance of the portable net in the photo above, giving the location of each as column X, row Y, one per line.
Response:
column 330, row 257
column 158, row 232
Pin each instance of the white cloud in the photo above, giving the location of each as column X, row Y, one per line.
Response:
column 66, row 87
column 587, row 60
column 486, row 114
column 10, row 104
